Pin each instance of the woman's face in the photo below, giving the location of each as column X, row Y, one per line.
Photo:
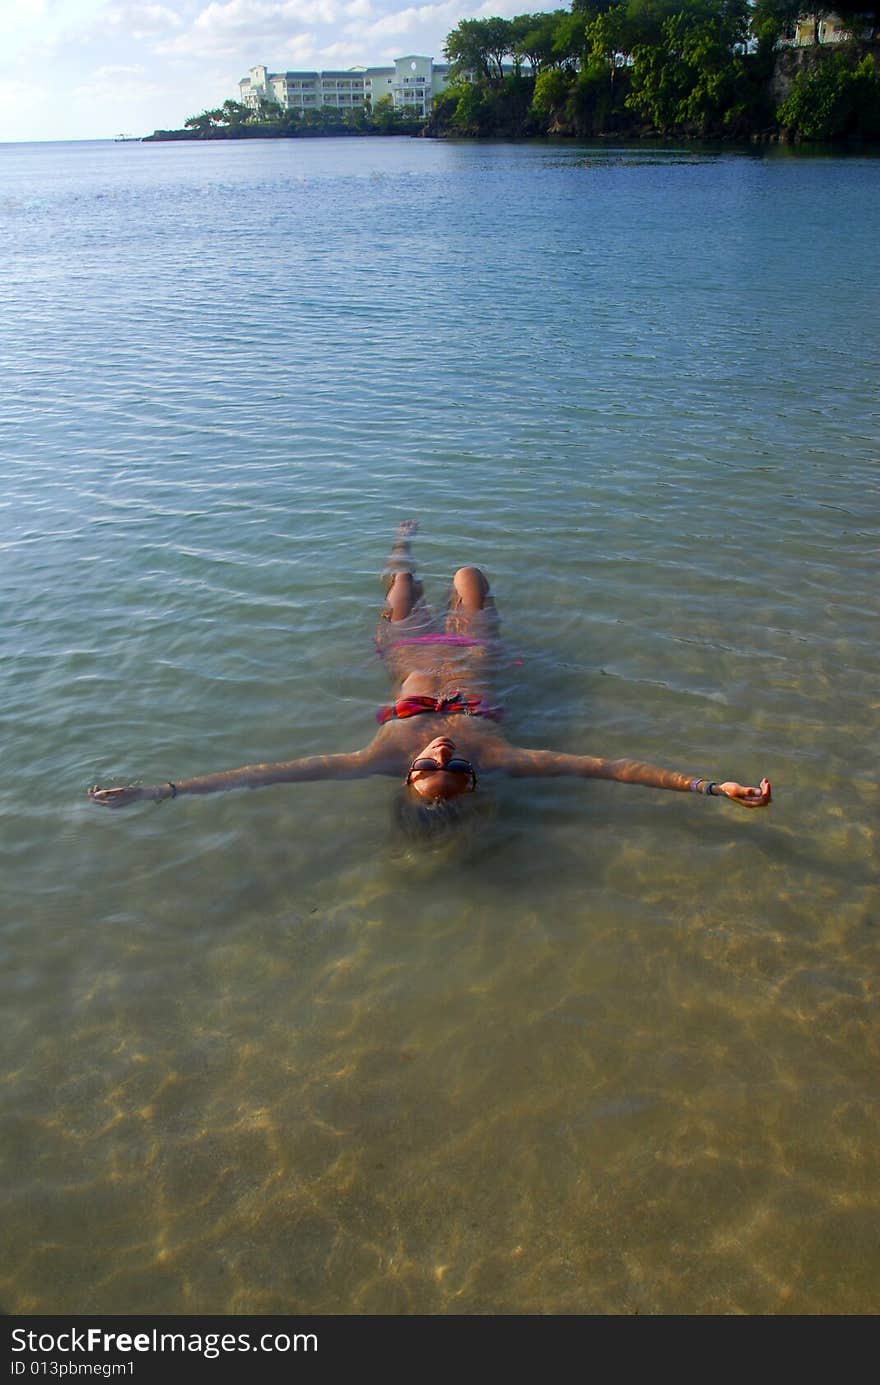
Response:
column 446, row 775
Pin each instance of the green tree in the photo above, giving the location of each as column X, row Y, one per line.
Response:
column 477, row 48
column 290, row 120
column 465, row 52
column 775, row 19
column 643, row 20
column 499, row 41
column 534, row 37
column 866, row 93
column 689, row 66
column 553, row 88
column 391, row 120
column 358, row 118
column 610, row 34
column 833, row 99
column 265, row 112
column 570, row 40
column 474, row 113
column 692, row 77
column 610, row 37
column 443, row 108
column 384, row 114
column 234, row 113
column 862, row 19
column 204, row 123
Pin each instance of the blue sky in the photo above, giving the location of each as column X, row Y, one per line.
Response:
column 91, row 69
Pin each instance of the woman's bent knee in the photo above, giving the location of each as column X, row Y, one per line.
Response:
column 402, row 595
column 471, row 587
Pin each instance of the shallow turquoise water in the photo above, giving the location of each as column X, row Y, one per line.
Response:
column 617, row 1054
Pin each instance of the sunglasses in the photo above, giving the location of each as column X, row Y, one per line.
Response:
column 455, row 765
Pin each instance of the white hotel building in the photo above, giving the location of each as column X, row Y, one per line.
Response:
column 413, row 81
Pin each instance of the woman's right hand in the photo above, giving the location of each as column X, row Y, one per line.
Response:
column 117, row 798
column 750, row 797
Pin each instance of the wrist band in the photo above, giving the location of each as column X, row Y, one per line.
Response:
column 694, row 785
column 172, row 787
column 710, row 789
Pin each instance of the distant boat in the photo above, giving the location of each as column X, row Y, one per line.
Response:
column 124, row 139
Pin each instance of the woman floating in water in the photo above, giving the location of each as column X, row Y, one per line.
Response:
column 441, row 730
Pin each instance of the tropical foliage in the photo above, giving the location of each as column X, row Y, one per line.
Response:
column 268, row 120
column 834, row 100
column 692, row 68
column 685, row 67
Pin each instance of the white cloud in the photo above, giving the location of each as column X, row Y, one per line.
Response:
column 258, row 16
column 139, row 66
column 250, row 30
column 301, row 48
column 115, row 74
column 338, row 55
column 200, row 47
column 141, row 21
column 109, row 88
column 445, row 15
column 15, row 95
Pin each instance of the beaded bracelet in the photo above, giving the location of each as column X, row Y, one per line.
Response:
column 711, row 786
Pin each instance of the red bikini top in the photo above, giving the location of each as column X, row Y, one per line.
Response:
column 454, row 705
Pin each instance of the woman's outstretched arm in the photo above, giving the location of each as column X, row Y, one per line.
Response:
column 517, row 761
column 311, row 767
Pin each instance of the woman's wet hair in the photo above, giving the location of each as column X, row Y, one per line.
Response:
column 430, row 819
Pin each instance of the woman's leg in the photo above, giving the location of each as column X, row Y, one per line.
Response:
column 472, row 613
column 402, row 588
column 470, row 590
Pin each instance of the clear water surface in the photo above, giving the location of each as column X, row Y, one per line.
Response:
column 619, row 1053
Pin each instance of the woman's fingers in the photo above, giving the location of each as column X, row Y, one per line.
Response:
column 749, row 797
column 112, row 798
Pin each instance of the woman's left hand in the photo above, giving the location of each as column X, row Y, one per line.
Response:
column 747, row 797
column 117, row 798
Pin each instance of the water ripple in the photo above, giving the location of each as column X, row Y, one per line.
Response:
column 610, row 1057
